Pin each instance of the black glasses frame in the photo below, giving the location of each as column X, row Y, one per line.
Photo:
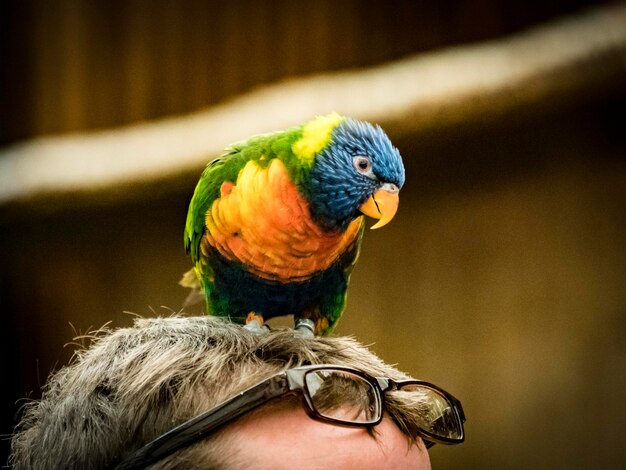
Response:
column 286, row 382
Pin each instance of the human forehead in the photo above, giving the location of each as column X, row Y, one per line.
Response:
column 282, row 436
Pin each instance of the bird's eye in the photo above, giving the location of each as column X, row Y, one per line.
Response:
column 363, row 165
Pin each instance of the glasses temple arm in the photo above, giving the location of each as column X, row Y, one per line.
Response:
column 200, row 426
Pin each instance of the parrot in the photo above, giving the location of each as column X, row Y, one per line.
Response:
column 275, row 224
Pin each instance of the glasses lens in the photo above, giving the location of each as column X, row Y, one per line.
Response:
column 343, row 396
column 434, row 412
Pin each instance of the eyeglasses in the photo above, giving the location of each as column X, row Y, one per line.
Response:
column 334, row 394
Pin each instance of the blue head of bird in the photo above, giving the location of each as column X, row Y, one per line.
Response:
column 358, row 172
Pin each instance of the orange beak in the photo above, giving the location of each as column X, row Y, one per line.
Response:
column 382, row 205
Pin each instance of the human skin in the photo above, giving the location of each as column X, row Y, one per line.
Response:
column 282, row 436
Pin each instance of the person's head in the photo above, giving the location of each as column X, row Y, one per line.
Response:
column 135, row 384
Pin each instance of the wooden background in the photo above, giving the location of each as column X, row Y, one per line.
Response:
column 502, row 278
column 72, row 65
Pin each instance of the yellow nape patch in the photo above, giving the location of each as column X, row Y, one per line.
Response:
column 315, row 136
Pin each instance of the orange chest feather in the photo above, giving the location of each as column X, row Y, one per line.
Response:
column 264, row 222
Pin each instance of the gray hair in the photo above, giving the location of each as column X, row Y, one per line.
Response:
column 133, row 384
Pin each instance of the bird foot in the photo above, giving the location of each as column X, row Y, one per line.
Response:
column 305, row 327
column 256, row 323
column 256, row 327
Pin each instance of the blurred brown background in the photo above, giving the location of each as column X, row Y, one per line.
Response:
column 502, row 278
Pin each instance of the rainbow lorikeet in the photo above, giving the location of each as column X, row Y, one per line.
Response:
column 275, row 224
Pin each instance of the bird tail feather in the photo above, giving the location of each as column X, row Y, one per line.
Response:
column 191, row 280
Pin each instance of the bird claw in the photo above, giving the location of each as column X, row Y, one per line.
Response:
column 305, row 327
column 256, row 327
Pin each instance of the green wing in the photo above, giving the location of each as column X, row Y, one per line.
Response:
column 200, row 277
column 224, row 168
column 227, row 168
